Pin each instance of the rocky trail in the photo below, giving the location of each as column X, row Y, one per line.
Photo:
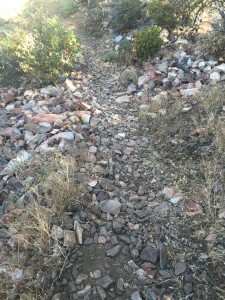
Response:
column 134, row 240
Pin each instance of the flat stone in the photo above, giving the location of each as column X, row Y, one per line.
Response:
column 105, row 282
column 180, row 268
column 106, row 185
column 136, row 296
column 149, row 254
column 81, row 278
column 215, row 76
column 123, row 99
column 112, row 207
column 113, row 251
column 69, row 238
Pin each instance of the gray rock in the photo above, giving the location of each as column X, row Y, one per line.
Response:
column 85, row 291
column 136, row 296
column 112, row 207
column 105, row 282
column 101, row 293
column 180, row 268
column 60, row 296
column 162, row 255
column 149, row 254
column 122, row 99
column 120, row 285
column 107, row 185
column 80, row 278
column 114, row 251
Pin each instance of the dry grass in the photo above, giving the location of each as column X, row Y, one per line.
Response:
column 52, row 189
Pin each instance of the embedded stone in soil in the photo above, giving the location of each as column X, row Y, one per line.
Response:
column 92, row 274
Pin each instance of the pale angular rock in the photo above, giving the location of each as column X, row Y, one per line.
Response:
column 142, row 80
column 69, row 238
column 215, row 76
column 122, row 99
column 189, row 92
column 57, row 232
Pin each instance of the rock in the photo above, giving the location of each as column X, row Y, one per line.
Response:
column 163, row 67
column 87, row 290
column 188, row 288
column 60, row 296
column 180, row 268
column 105, row 282
column 215, row 76
column 120, row 285
column 189, row 92
column 57, row 232
column 49, row 118
column 194, row 207
column 69, row 238
column 112, row 207
column 96, row 274
column 107, row 185
column 118, row 38
column 142, row 80
column 221, row 67
column 21, row 157
column 123, row 99
column 85, row 118
column 136, row 296
column 81, row 278
column 101, row 293
column 149, row 254
column 162, row 255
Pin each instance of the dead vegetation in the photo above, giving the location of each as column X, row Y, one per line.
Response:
column 52, row 189
column 192, row 146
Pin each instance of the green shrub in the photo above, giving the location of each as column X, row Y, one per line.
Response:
column 147, row 42
column 110, row 56
column 67, row 7
column 126, row 53
column 173, row 14
column 42, row 52
column 94, row 23
column 126, row 14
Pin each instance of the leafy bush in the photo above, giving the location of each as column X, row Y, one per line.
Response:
column 147, row 42
column 172, row 14
column 67, row 7
column 110, row 56
column 126, row 14
column 94, row 23
column 42, row 52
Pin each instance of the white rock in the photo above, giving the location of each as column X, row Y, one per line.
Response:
column 85, row 118
column 186, row 109
column 215, row 76
column 142, row 80
column 68, row 135
column 189, row 92
column 118, row 38
column 221, row 67
column 202, row 65
column 123, row 99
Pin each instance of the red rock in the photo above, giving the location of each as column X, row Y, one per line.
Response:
column 7, row 97
column 201, row 131
column 194, row 207
column 50, row 118
column 169, row 192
